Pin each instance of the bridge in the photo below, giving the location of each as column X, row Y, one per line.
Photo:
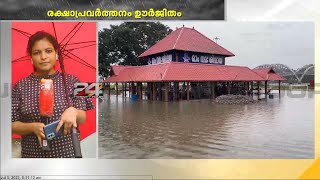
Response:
column 302, row 75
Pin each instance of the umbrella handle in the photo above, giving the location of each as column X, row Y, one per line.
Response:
column 74, row 134
column 76, row 143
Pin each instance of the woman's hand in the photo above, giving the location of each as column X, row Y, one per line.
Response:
column 37, row 129
column 68, row 119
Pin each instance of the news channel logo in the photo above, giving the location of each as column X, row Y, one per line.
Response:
column 88, row 89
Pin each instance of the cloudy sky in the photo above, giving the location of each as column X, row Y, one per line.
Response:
column 256, row 43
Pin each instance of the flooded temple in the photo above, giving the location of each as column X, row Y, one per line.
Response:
column 187, row 65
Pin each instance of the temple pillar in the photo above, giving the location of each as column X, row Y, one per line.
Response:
column 117, row 89
column 166, row 90
column 279, row 87
column 188, row 90
column 258, row 90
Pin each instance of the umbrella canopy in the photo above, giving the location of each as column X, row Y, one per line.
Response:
column 78, row 46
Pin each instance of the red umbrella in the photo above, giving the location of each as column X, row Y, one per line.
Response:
column 78, row 45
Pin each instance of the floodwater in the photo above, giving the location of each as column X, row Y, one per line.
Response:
column 201, row 129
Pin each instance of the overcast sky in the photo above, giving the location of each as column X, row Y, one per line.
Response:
column 256, row 43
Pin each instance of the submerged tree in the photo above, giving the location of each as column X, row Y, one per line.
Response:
column 122, row 44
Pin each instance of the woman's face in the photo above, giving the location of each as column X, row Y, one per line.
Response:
column 43, row 56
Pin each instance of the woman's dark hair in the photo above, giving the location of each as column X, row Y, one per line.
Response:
column 41, row 35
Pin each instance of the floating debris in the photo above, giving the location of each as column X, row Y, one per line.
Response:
column 234, row 99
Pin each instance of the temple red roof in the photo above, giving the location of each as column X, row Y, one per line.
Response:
column 269, row 74
column 187, row 39
column 116, row 69
column 179, row 71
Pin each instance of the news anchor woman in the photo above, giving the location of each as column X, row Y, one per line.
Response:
column 26, row 119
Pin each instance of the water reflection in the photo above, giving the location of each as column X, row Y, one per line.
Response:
column 273, row 128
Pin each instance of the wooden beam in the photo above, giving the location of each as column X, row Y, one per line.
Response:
column 133, row 88
column 140, row 89
column 166, row 99
column 251, row 87
column 198, row 90
column 265, row 88
column 211, row 90
column 122, row 90
column 177, row 90
column 172, row 86
column 279, row 88
column 151, row 92
column 137, row 90
column 229, row 87
column 117, row 88
column 154, row 91
column 160, row 91
column 109, row 89
column 178, row 94
column 188, row 91
column 130, row 90
column 247, row 88
column 213, row 87
column 258, row 89
column 148, row 94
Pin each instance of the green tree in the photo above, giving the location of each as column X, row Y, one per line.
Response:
column 122, row 44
